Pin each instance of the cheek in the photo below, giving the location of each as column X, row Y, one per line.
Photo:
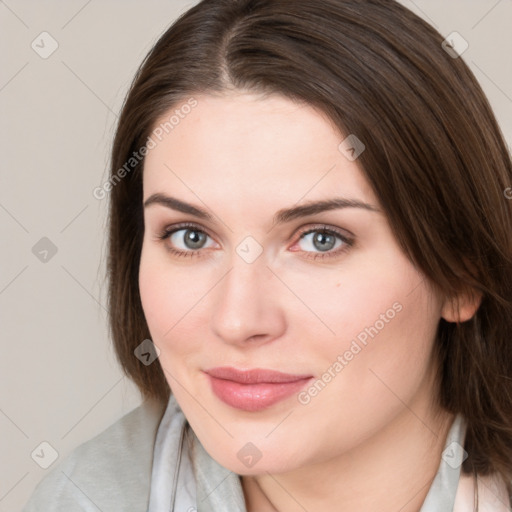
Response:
column 158, row 303
column 171, row 299
column 375, row 327
column 395, row 360
column 365, row 297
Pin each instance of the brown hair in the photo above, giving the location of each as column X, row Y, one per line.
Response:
column 434, row 156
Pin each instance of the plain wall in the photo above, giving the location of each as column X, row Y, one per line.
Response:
column 60, row 382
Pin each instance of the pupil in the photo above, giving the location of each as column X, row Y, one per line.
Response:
column 194, row 239
column 324, row 241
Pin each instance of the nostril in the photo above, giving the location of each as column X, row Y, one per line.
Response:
column 257, row 337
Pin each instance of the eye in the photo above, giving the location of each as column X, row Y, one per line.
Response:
column 186, row 240
column 323, row 242
column 318, row 242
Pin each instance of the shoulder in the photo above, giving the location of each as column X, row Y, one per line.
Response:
column 111, row 471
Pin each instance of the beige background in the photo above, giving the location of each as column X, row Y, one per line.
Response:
column 60, row 381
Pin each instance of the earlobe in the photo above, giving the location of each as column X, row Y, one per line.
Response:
column 462, row 307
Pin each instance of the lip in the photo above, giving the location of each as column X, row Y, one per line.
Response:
column 255, row 389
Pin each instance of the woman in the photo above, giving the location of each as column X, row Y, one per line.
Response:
column 310, row 272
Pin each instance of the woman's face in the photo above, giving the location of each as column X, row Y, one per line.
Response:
column 261, row 280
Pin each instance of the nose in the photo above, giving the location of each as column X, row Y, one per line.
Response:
column 247, row 305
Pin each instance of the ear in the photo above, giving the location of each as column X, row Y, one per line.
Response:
column 462, row 307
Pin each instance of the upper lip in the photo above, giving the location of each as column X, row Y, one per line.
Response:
column 253, row 376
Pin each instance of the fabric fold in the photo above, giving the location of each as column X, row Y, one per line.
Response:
column 173, row 485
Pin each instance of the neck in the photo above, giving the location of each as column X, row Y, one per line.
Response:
column 391, row 471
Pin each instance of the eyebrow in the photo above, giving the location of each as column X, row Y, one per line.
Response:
column 282, row 216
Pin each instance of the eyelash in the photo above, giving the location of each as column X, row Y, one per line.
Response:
column 348, row 242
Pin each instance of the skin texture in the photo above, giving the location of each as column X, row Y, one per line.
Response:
column 374, row 427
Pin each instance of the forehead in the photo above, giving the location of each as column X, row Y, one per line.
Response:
column 242, row 145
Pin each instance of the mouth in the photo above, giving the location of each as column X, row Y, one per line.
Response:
column 256, row 389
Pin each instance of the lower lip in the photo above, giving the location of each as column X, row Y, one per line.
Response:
column 254, row 397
